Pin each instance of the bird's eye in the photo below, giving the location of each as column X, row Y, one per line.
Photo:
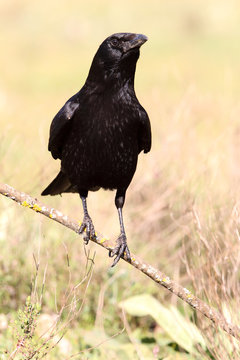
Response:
column 114, row 42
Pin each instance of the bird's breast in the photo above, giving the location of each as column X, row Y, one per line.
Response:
column 102, row 147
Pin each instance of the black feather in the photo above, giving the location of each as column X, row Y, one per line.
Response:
column 61, row 125
column 59, row 185
column 100, row 131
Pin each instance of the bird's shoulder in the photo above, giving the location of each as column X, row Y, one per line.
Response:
column 61, row 124
column 143, row 124
column 137, row 111
column 130, row 108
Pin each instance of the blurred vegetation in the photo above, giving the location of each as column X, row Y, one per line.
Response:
column 182, row 208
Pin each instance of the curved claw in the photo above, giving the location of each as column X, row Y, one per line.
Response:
column 120, row 250
column 87, row 225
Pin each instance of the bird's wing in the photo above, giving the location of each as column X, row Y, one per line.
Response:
column 60, row 126
column 144, row 135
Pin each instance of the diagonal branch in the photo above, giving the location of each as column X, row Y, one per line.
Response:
column 156, row 275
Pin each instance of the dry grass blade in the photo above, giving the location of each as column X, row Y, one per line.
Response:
column 156, row 275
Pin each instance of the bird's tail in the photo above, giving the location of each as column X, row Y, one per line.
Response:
column 59, row 185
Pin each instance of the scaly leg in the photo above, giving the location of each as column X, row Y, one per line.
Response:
column 122, row 239
column 87, row 221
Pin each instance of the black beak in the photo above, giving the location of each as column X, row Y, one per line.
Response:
column 135, row 41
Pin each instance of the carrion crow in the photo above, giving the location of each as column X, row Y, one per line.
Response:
column 100, row 131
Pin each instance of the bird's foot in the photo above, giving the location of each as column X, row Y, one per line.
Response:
column 120, row 249
column 87, row 225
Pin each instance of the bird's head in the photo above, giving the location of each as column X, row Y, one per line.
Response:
column 119, row 46
column 117, row 56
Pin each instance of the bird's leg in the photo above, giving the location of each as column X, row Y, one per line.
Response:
column 121, row 247
column 87, row 221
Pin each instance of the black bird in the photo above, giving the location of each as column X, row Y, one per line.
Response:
column 100, row 131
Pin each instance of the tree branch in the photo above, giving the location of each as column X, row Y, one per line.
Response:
column 156, row 275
